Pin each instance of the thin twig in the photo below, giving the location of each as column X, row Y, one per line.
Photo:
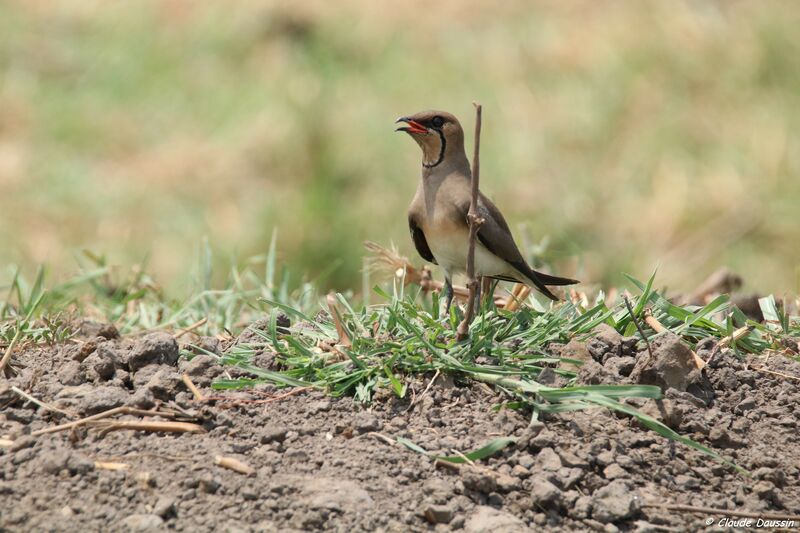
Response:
column 518, row 295
column 99, row 416
column 447, row 464
column 192, row 387
column 106, row 465
column 724, row 512
column 42, row 404
column 653, row 322
column 384, row 438
column 638, row 327
column 737, row 335
column 180, row 411
column 7, row 355
column 234, row 464
column 727, row 341
column 475, row 222
column 788, row 376
column 418, row 398
column 466, row 459
column 191, row 328
column 149, row 425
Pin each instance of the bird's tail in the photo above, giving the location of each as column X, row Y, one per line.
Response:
column 547, row 279
column 540, row 280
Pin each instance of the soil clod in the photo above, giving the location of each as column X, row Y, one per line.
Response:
column 154, row 348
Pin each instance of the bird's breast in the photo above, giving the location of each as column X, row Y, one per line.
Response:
column 450, row 245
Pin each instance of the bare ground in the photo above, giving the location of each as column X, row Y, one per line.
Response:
column 322, row 463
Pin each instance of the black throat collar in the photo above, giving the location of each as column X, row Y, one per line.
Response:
column 443, row 145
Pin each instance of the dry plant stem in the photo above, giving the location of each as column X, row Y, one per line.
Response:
column 333, row 305
column 392, row 262
column 518, row 295
column 658, row 327
column 475, row 222
column 7, row 355
column 653, row 322
column 150, row 425
column 723, row 512
column 512, row 297
column 103, row 465
column 191, row 328
column 735, row 336
column 42, row 404
column 467, row 460
column 579, row 298
column 234, row 464
column 418, row 398
column 180, row 411
column 192, row 387
column 447, row 464
column 727, row 341
column 773, row 372
column 384, row 438
column 100, row 416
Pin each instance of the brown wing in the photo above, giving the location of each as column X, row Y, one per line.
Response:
column 419, row 241
column 496, row 236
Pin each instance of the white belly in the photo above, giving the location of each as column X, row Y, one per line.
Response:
column 450, row 251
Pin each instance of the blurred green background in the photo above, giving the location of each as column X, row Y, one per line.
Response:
column 617, row 135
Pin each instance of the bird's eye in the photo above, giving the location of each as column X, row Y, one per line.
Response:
column 437, row 121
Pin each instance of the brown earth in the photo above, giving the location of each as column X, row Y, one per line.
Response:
column 322, row 463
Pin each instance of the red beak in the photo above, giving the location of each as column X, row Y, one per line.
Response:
column 413, row 126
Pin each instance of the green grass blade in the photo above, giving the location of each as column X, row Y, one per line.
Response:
column 772, row 317
column 289, row 309
column 411, row 446
column 278, row 378
column 399, row 388
column 490, row 449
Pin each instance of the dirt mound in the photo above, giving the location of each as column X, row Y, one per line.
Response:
column 321, row 463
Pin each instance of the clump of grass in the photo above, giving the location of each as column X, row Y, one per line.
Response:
column 717, row 319
column 21, row 315
column 390, row 343
column 387, row 344
column 134, row 302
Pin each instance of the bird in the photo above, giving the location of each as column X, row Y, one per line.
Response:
column 437, row 216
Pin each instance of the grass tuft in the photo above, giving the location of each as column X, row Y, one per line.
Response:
column 389, row 344
column 393, row 342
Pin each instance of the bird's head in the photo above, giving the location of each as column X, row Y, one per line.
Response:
column 438, row 133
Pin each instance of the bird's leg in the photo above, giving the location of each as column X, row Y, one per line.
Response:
column 448, row 295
